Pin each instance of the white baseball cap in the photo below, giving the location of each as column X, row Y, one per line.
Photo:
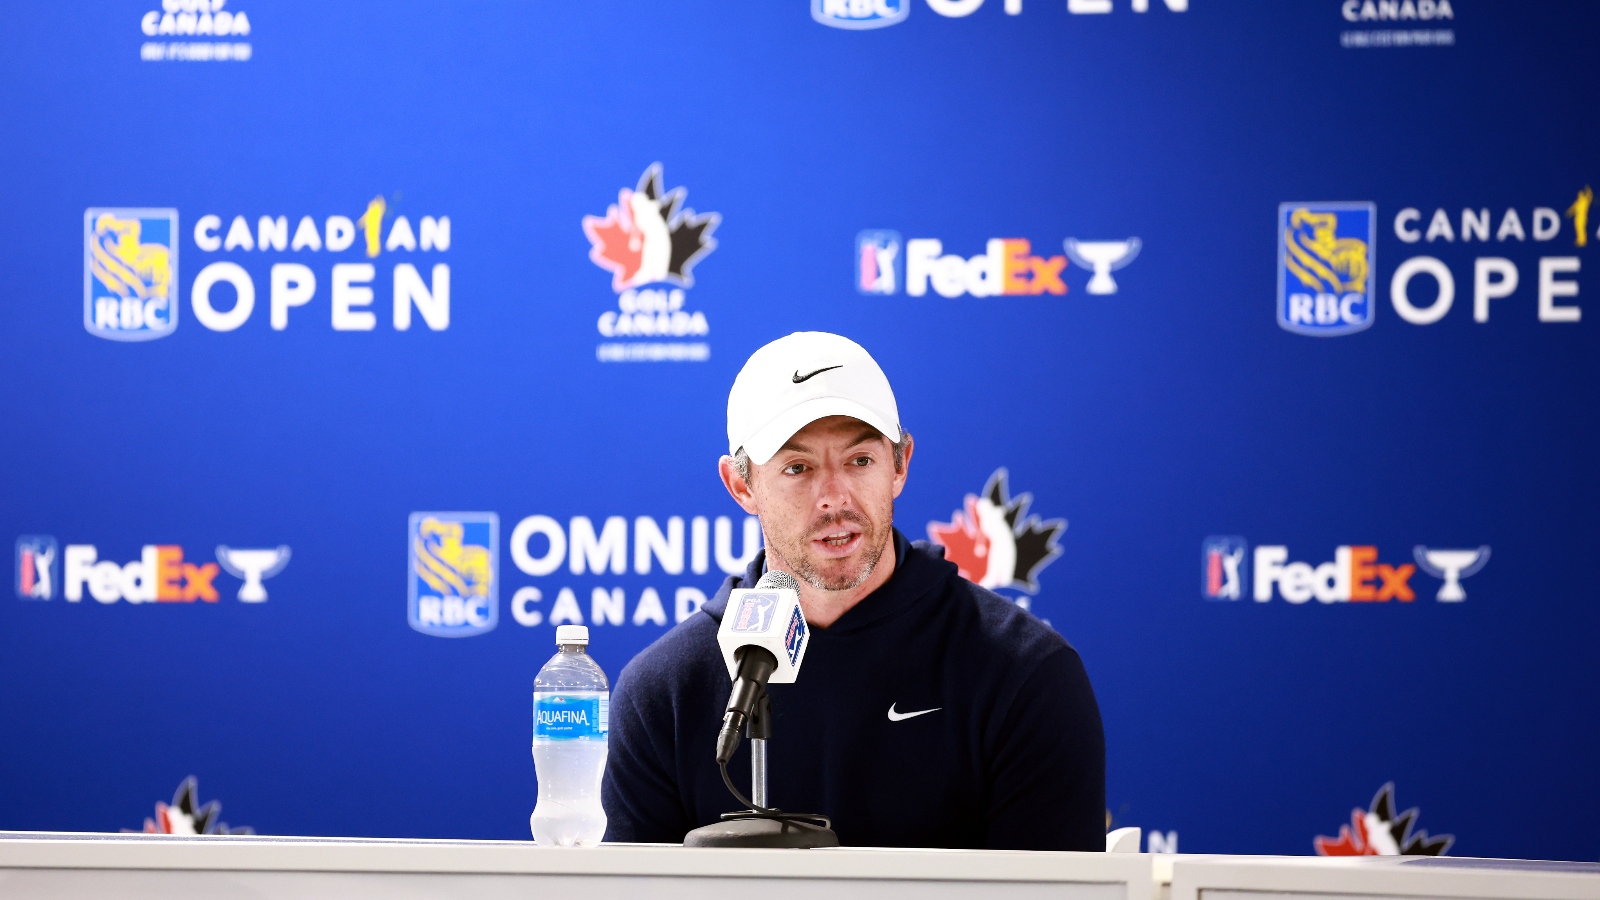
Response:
column 798, row 379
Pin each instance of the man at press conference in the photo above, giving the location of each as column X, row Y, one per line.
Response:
column 930, row 712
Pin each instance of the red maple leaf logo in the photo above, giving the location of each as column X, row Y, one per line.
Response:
column 964, row 542
column 618, row 244
column 184, row 816
column 1383, row 832
column 1352, row 839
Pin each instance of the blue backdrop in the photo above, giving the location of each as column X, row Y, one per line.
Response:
column 181, row 374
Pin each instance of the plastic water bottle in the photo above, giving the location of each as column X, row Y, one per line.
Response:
column 570, row 720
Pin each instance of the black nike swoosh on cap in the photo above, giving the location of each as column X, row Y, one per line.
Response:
column 799, row 378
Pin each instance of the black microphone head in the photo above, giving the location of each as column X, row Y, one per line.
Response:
column 774, row 580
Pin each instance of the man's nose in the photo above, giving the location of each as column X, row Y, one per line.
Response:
column 833, row 491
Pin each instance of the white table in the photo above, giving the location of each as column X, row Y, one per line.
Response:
column 1380, row 878
column 59, row 866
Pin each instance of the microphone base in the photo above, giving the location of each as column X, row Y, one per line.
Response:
column 782, row 833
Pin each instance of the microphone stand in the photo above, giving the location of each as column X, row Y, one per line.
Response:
column 759, row 731
column 760, row 826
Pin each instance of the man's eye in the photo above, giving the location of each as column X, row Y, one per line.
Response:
column 863, row 460
column 795, row 469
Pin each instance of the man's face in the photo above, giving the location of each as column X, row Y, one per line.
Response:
column 826, row 501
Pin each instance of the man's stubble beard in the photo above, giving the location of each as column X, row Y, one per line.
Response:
column 800, row 562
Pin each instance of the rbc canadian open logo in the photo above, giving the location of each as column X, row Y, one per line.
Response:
column 860, row 14
column 1325, row 267
column 130, row 273
column 454, row 573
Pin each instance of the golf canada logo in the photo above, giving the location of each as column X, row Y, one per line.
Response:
column 185, row 816
column 1354, row 575
column 213, row 33
column 650, row 242
column 1380, row 831
column 995, row 542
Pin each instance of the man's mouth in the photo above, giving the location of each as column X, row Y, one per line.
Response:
column 837, row 541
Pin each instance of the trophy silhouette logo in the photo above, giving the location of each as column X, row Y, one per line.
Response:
column 252, row 566
column 1452, row 566
column 1103, row 257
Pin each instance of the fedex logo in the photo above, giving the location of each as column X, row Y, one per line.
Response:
column 1007, row 267
column 1354, row 576
column 159, row 575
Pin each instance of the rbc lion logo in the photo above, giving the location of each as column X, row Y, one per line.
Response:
column 1325, row 265
column 130, row 273
column 454, row 573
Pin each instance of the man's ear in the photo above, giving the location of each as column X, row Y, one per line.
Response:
column 905, row 464
column 737, row 489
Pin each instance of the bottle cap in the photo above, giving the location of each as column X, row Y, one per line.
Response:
column 572, row 634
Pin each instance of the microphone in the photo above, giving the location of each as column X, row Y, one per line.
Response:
column 763, row 639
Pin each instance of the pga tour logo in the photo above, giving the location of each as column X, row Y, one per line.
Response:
column 1222, row 568
column 37, row 567
column 755, row 613
column 878, row 262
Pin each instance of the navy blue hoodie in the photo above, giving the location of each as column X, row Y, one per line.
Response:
column 1012, row 755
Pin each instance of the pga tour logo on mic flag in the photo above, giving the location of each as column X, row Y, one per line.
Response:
column 755, row 613
column 769, row 618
